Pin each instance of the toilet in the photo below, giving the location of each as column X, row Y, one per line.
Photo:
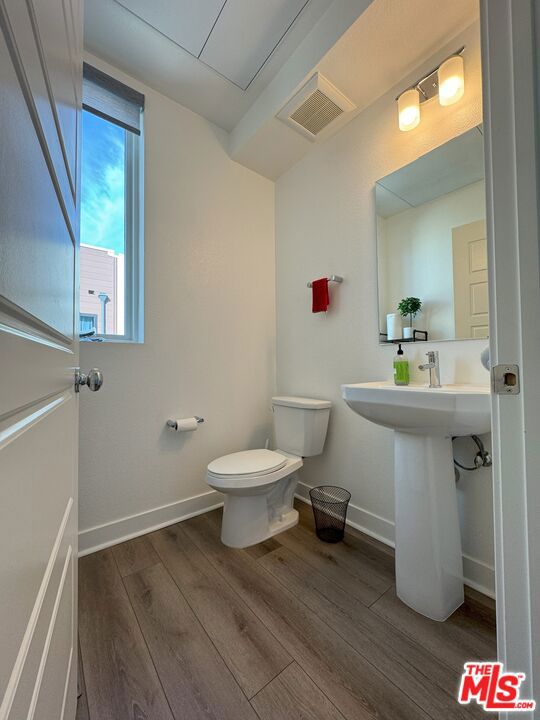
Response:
column 259, row 485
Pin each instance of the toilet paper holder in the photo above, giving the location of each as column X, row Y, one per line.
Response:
column 173, row 425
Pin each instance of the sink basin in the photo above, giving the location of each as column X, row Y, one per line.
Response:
column 429, row 566
column 451, row 410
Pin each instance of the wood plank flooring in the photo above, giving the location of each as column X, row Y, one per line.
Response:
column 121, row 680
column 82, row 705
column 249, row 650
column 175, row 625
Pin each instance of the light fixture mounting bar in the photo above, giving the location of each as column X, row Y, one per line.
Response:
column 428, row 85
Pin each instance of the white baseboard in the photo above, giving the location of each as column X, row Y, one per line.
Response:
column 476, row 574
column 479, row 575
column 117, row 531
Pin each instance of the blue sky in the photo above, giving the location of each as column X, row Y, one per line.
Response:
column 102, row 183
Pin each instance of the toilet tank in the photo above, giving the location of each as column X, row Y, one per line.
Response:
column 300, row 424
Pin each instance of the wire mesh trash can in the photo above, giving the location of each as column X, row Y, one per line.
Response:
column 330, row 505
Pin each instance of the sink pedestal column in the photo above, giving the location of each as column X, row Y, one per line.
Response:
column 429, row 566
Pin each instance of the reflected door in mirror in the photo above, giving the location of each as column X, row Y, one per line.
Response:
column 469, row 251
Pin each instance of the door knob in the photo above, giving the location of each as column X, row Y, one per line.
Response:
column 93, row 380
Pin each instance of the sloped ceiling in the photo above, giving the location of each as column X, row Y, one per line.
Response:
column 238, row 62
column 233, row 37
column 213, row 56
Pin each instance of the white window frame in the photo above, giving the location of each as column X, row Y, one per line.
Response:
column 134, row 287
column 133, row 245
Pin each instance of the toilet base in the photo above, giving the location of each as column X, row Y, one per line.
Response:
column 252, row 519
column 236, row 536
column 287, row 520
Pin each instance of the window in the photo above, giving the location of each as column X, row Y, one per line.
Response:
column 111, row 231
column 88, row 323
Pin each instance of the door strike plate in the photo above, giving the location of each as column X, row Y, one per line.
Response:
column 505, row 379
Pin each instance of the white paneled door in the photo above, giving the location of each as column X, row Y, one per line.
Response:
column 511, row 77
column 40, row 96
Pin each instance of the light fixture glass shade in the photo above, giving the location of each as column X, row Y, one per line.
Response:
column 409, row 109
column 451, row 80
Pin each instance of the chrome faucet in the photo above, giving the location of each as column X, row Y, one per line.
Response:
column 434, row 370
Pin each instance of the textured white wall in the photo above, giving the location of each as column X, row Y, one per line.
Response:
column 209, row 327
column 325, row 223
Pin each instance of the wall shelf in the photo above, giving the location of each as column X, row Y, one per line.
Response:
column 418, row 336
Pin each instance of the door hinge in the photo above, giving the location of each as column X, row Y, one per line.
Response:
column 505, row 379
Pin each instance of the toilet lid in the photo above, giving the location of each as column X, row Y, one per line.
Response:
column 248, row 462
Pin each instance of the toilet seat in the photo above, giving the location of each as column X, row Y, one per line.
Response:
column 248, row 463
column 267, row 467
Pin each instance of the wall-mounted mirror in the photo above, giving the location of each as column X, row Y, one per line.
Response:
column 431, row 242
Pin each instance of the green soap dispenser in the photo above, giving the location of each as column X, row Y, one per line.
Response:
column 401, row 368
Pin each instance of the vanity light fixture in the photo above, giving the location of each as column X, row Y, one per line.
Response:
column 409, row 109
column 451, row 80
column 445, row 81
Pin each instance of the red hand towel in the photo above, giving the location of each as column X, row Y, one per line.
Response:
column 321, row 298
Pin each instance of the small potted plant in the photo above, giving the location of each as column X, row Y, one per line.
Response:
column 409, row 306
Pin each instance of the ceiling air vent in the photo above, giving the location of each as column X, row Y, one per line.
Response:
column 315, row 107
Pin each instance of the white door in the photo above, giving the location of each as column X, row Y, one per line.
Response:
column 510, row 47
column 40, row 93
column 469, row 255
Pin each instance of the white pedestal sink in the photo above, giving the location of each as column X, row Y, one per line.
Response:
column 429, row 572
